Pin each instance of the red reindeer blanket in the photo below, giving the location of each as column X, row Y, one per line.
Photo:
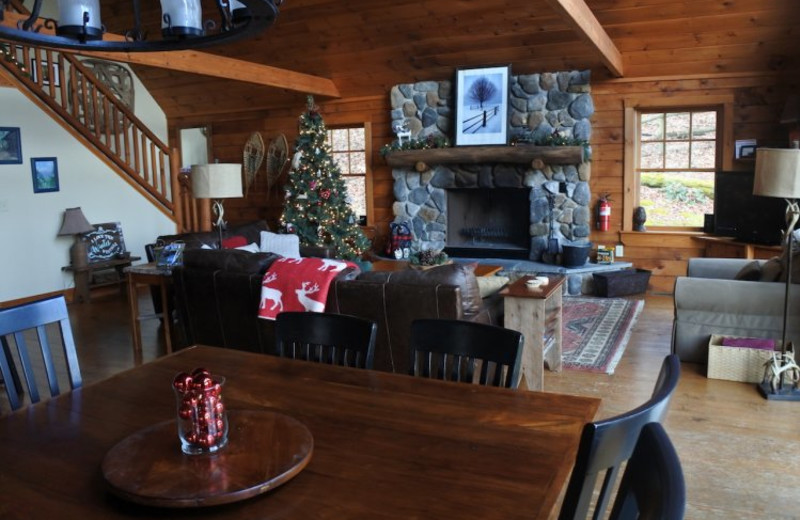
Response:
column 297, row 284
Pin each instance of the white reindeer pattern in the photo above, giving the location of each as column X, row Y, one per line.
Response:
column 331, row 265
column 309, row 304
column 270, row 293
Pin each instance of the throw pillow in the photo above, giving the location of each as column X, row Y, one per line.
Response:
column 287, row 246
column 750, row 272
column 771, row 270
column 251, row 248
column 489, row 285
column 234, row 242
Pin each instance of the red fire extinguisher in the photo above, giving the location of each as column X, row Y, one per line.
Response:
column 603, row 213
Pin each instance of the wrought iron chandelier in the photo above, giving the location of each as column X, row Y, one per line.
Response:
column 79, row 26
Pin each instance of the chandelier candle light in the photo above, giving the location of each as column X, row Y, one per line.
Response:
column 778, row 175
column 217, row 181
column 79, row 25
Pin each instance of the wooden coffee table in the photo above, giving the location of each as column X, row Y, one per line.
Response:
column 401, row 265
column 536, row 313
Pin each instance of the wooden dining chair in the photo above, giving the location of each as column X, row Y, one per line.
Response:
column 652, row 487
column 17, row 325
column 605, row 445
column 452, row 350
column 334, row 339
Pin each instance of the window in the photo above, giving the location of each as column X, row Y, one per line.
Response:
column 349, row 151
column 673, row 147
column 677, row 160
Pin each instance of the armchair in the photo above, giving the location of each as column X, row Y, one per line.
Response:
column 710, row 300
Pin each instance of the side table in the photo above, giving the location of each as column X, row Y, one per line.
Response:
column 148, row 274
column 83, row 275
column 536, row 313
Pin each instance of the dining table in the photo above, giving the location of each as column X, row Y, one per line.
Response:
column 365, row 445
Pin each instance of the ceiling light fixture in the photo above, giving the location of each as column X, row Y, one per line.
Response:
column 79, row 25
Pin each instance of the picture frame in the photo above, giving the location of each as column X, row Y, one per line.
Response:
column 745, row 149
column 44, row 173
column 44, row 66
column 482, row 106
column 10, row 145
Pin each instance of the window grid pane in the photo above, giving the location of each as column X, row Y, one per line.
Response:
column 349, row 153
column 676, row 163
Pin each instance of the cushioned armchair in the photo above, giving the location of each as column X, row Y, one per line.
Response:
column 711, row 300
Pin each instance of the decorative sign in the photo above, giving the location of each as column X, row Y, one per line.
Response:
column 105, row 242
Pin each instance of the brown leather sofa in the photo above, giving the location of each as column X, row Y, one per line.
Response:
column 217, row 295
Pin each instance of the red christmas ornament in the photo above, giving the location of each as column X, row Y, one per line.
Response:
column 325, row 194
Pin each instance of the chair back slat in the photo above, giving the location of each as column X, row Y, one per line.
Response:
column 455, row 349
column 34, row 317
column 334, row 339
column 10, row 377
column 605, row 445
column 653, row 486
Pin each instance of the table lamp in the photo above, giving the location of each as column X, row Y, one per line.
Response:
column 778, row 175
column 217, row 181
column 76, row 224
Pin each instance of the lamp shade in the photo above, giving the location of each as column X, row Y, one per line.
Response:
column 777, row 173
column 74, row 223
column 217, row 181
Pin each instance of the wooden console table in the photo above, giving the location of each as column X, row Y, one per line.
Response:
column 727, row 247
column 83, row 276
column 536, row 313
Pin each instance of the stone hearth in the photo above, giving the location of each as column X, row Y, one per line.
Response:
column 541, row 103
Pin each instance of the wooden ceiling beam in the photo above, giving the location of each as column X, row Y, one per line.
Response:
column 209, row 65
column 578, row 15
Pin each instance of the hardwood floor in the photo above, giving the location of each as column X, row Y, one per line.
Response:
column 739, row 451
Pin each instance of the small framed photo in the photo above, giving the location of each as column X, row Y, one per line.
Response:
column 46, row 70
column 745, row 149
column 482, row 105
column 10, row 145
column 44, row 171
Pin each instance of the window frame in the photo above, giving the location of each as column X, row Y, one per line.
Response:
column 335, row 123
column 634, row 107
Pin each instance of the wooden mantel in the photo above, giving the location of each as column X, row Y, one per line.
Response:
column 537, row 156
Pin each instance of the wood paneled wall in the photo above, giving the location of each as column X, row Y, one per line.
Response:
column 759, row 99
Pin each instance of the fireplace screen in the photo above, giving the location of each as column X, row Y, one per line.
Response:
column 488, row 222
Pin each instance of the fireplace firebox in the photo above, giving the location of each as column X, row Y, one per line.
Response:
column 488, row 223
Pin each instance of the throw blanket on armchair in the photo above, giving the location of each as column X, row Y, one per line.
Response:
column 297, row 284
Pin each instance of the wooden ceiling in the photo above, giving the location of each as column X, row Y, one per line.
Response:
column 364, row 47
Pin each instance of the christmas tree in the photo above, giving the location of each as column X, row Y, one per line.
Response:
column 316, row 207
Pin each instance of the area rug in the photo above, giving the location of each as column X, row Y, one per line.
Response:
column 596, row 331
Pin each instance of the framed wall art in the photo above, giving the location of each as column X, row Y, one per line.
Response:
column 482, row 105
column 10, row 145
column 44, row 171
column 45, row 69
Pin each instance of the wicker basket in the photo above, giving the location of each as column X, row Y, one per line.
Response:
column 736, row 363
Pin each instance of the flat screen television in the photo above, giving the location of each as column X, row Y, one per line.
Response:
column 740, row 214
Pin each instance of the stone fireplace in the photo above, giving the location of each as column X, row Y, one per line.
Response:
column 494, row 208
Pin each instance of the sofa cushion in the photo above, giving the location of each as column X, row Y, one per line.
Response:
column 460, row 275
column 284, row 245
column 751, row 272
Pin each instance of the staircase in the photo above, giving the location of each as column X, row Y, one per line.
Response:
column 90, row 111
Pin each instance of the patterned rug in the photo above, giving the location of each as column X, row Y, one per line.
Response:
column 596, row 331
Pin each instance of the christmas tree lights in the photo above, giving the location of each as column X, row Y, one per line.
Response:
column 316, row 207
